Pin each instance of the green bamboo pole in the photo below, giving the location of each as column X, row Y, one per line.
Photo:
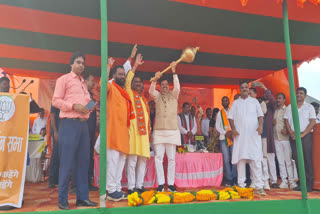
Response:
column 294, row 107
column 103, row 101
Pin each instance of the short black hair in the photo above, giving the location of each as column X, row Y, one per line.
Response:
column 302, row 89
column 87, row 74
column 41, row 110
column 137, row 75
column 4, row 79
column 224, row 98
column 316, row 105
column 162, row 79
column 243, row 82
column 76, row 55
column 208, row 109
column 185, row 104
column 114, row 70
column 215, row 112
column 253, row 89
column 282, row 94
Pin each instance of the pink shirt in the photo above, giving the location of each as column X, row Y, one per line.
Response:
column 70, row 90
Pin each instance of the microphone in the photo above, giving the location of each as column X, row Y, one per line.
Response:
column 27, row 86
column 23, row 81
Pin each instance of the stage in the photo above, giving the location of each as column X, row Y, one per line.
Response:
column 39, row 198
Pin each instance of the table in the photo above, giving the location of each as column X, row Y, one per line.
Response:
column 192, row 170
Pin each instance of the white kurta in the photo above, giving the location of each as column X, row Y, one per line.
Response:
column 247, row 145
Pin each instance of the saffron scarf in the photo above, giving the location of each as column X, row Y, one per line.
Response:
column 226, row 126
column 141, row 121
column 125, row 94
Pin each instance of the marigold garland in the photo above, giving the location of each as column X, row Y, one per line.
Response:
column 151, row 196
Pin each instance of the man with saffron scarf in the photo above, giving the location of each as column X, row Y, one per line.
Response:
column 120, row 112
column 223, row 127
column 139, row 131
column 166, row 134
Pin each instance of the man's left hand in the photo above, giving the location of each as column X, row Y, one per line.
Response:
column 139, row 60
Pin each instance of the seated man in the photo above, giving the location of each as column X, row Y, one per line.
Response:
column 39, row 123
column 187, row 125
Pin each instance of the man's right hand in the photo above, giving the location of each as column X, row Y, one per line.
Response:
column 55, row 136
column 189, row 134
column 111, row 61
column 229, row 134
column 157, row 76
column 234, row 133
column 80, row 109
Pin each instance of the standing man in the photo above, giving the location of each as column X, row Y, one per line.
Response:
column 119, row 114
column 39, row 123
column 166, row 135
column 205, row 125
column 54, row 161
column 71, row 96
column 187, row 125
column 316, row 108
column 246, row 121
column 92, row 125
column 307, row 118
column 282, row 144
column 139, row 131
column 226, row 144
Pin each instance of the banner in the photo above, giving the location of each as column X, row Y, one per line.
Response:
column 14, row 126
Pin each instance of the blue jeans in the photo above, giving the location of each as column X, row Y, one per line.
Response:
column 74, row 150
column 229, row 169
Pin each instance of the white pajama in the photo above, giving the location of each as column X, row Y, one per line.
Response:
column 271, row 157
column 265, row 169
column 284, row 155
column 170, row 150
column 136, row 169
column 256, row 173
column 115, row 164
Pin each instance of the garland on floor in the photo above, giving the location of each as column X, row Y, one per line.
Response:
column 154, row 197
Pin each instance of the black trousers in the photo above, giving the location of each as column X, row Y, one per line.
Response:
column 307, row 142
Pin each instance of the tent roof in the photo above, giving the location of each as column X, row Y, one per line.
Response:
column 37, row 37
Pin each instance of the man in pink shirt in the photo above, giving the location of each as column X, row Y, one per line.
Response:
column 71, row 96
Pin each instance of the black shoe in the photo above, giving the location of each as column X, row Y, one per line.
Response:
column 172, row 188
column 93, row 188
column 297, row 189
column 130, row 191
column 160, row 188
column 141, row 190
column 64, row 206
column 51, row 186
column 73, row 191
column 85, row 203
column 274, row 186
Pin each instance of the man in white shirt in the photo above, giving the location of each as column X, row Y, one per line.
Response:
column 187, row 125
column 282, row 144
column 205, row 125
column 316, row 108
column 39, row 123
column 246, row 121
column 226, row 144
column 307, row 119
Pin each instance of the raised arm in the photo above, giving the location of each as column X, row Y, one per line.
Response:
column 152, row 90
column 176, row 84
column 132, row 72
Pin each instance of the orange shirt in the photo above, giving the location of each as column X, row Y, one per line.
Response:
column 117, row 121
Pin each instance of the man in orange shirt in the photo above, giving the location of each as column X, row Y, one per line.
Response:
column 71, row 96
column 120, row 112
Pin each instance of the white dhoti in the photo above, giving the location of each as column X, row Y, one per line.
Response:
column 115, row 164
column 271, row 158
column 165, row 141
column 136, row 170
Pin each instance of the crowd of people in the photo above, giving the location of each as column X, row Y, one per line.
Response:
column 254, row 134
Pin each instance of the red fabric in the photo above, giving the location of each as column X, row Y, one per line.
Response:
column 125, row 94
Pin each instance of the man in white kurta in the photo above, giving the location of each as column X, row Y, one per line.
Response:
column 246, row 120
column 39, row 123
column 166, row 134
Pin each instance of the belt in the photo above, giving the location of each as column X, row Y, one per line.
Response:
column 77, row 119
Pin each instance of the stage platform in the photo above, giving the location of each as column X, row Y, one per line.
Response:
column 39, row 198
